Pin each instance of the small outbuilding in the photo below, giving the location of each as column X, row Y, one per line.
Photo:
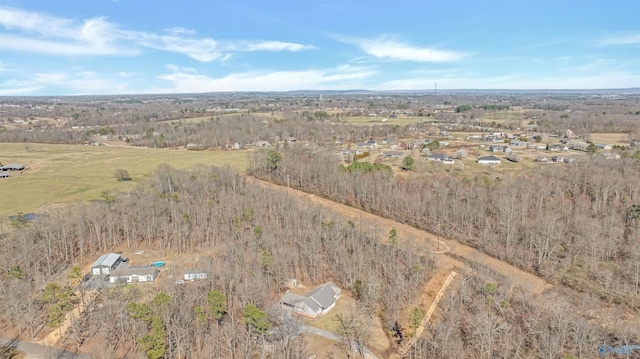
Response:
column 4, row 174
column 106, row 264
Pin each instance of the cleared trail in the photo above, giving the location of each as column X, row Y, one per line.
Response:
column 443, row 251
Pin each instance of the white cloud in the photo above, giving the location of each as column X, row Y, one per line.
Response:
column 13, row 87
column 517, row 81
column 45, row 34
column 623, row 39
column 276, row 46
column 341, row 77
column 180, row 30
column 83, row 83
column 175, row 68
column 125, row 74
column 388, row 48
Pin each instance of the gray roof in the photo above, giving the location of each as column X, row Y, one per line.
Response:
column 324, row 294
column 292, row 299
column 3, row 174
column 106, row 260
column 323, row 297
column 438, row 156
column 392, row 153
column 194, row 271
column 134, row 270
column 12, row 167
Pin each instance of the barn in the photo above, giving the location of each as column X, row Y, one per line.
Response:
column 105, row 264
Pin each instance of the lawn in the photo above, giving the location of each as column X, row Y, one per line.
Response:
column 71, row 173
column 345, row 306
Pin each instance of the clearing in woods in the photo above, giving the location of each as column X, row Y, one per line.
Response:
column 72, row 173
column 428, row 241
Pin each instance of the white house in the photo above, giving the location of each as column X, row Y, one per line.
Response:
column 134, row 274
column 193, row 274
column 316, row 303
column 105, row 264
column 489, row 160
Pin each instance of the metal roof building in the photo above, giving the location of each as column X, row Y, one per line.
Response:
column 105, row 264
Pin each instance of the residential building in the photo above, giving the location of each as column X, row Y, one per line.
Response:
column 489, row 160
column 134, row 274
column 193, row 274
column 316, row 303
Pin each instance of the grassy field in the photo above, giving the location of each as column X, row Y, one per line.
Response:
column 71, row 173
column 366, row 120
column 611, row 138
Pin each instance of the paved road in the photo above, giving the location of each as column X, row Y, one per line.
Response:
column 332, row 336
column 37, row 351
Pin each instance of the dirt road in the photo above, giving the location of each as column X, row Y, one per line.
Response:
column 443, row 251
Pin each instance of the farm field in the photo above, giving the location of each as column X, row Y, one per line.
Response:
column 366, row 120
column 611, row 138
column 72, row 173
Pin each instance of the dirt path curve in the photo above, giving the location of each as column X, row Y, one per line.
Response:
column 448, row 249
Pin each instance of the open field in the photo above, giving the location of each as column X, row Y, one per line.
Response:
column 610, row 138
column 72, row 173
column 366, row 120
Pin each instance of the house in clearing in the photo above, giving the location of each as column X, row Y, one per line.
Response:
column 392, row 154
column 12, row 167
column 557, row 147
column 365, row 145
column 517, row 143
column 405, row 146
column 316, row 303
column 489, row 160
column 134, row 274
column 499, row 148
column 105, row 264
column 438, row 157
column 193, row 274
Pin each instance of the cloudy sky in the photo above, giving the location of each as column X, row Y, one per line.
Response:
column 168, row 46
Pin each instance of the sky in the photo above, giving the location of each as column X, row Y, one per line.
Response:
column 95, row 47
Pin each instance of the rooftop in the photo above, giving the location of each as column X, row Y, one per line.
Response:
column 107, row 260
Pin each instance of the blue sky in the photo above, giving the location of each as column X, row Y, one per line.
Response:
column 169, row 46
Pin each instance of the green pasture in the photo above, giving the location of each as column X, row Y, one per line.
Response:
column 72, row 173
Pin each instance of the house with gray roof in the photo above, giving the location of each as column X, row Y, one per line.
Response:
column 134, row 274
column 392, row 154
column 316, row 303
column 12, row 167
column 489, row 160
column 438, row 157
column 3, row 174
